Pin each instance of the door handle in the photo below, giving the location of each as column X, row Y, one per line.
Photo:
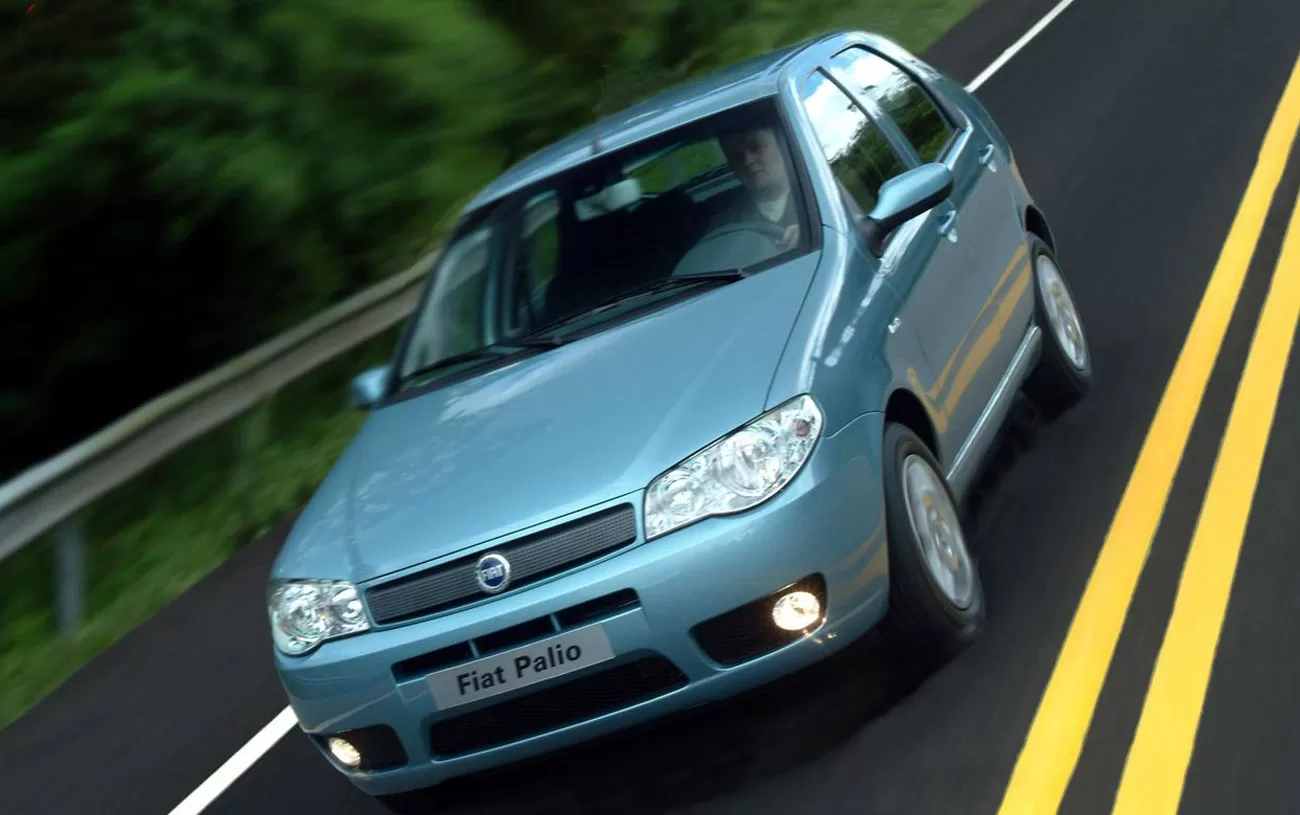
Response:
column 986, row 158
column 948, row 226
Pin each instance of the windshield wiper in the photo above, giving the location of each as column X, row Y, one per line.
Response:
column 653, row 287
column 530, row 342
column 497, row 350
column 737, row 273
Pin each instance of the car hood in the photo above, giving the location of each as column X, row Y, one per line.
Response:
column 551, row 434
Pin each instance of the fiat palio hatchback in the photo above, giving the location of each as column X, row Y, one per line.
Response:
column 689, row 401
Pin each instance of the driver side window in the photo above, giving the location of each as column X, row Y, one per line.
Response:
column 860, row 156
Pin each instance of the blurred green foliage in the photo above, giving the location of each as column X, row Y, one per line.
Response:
column 180, row 179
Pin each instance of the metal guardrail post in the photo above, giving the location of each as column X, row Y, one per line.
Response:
column 70, row 579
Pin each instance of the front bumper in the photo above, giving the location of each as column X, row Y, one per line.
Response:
column 828, row 524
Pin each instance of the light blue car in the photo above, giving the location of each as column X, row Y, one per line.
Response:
column 690, row 401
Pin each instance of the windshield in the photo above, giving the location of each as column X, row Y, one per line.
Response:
column 614, row 236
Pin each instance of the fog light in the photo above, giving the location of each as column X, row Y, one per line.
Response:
column 796, row 611
column 343, row 750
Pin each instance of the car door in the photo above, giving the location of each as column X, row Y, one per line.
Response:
column 863, row 157
column 978, row 274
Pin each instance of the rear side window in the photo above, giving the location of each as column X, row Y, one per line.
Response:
column 859, row 154
column 905, row 101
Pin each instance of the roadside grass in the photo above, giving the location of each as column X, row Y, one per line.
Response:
column 152, row 539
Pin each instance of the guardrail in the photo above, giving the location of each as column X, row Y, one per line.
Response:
column 49, row 495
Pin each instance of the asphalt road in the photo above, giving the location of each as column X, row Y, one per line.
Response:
column 1138, row 124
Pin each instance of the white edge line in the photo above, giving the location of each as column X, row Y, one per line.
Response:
column 1018, row 45
column 267, row 737
column 237, row 764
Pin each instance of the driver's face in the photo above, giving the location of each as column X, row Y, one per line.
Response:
column 757, row 161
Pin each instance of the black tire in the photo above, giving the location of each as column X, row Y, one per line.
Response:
column 1055, row 385
column 921, row 620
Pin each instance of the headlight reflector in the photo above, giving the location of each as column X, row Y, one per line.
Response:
column 737, row 472
column 305, row 613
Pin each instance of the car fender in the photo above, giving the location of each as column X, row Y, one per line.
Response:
column 842, row 349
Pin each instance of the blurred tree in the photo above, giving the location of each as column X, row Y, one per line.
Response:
column 49, row 54
column 237, row 167
column 184, row 178
column 48, row 50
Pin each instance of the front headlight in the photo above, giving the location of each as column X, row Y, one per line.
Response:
column 305, row 613
column 737, row 472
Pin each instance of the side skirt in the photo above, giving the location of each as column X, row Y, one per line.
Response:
column 976, row 447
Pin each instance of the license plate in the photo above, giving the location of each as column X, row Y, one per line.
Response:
column 520, row 667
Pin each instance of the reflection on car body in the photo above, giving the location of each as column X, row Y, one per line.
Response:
column 690, row 401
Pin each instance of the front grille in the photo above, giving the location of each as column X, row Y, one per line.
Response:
column 747, row 632
column 531, row 558
column 556, row 706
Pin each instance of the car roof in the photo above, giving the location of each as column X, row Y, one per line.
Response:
column 734, row 85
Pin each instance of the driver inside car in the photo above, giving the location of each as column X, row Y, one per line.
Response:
column 757, row 160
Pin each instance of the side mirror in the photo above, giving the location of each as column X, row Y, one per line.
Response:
column 904, row 197
column 370, row 387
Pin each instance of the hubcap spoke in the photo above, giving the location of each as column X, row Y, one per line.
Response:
column 1062, row 316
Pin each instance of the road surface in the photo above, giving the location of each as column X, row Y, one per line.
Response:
column 1139, row 125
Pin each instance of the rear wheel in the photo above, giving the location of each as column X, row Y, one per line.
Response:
column 936, row 599
column 1064, row 373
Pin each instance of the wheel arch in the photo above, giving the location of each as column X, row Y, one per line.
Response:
column 1036, row 224
column 905, row 408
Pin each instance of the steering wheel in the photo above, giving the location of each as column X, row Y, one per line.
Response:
column 767, row 229
column 733, row 245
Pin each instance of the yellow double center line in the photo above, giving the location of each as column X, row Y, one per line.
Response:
column 1162, row 748
column 1154, row 773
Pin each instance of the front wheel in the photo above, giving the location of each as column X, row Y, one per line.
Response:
column 1064, row 373
column 936, row 598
